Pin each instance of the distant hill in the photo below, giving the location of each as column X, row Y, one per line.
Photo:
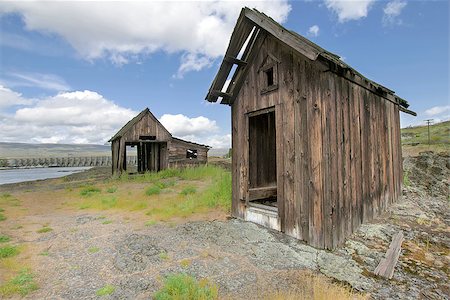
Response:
column 415, row 139
column 24, row 150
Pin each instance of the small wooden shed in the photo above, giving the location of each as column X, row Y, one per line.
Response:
column 315, row 145
column 157, row 149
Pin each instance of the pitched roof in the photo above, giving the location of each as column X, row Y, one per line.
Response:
column 133, row 121
column 248, row 35
column 184, row 141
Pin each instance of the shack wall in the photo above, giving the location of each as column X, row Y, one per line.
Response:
column 338, row 147
column 177, row 154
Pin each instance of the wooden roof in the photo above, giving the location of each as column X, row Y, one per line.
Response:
column 248, row 35
column 135, row 120
column 139, row 117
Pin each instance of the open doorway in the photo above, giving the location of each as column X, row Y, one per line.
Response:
column 130, row 158
column 262, row 159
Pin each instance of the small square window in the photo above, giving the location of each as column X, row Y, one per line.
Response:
column 269, row 76
column 191, row 153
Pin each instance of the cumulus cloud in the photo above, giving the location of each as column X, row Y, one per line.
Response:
column 71, row 117
column 313, row 31
column 347, row 10
column 438, row 110
column 121, row 31
column 9, row 98
column 197, row 129
column 182, row 126
column 392, row 11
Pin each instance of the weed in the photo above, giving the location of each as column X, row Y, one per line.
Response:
column 153, row 190
column 84, row 206
column 4, row 238
column 150, row 223
column 45, row 229
column 406, row 181
column 188, row 190
column 44, row 253
column 17, row 227
column 112, row 189
column 8, row 251
column 2, row 217
column 94, row 249
column 163, row 255
column 2, row 210
column 109, row 202
column 184, row 263
column 89, row 191
column 107, row 222
column 106, row 290
column 21, row 284
column 182, row 286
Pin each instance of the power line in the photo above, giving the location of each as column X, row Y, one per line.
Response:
column 429, row 122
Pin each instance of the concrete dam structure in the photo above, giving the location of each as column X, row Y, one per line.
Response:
column 86, row 161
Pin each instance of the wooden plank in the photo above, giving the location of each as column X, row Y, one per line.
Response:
column 340, row 160
column 285, row 36
column 315, row 192
column 235, row 61
column 386, row 266
column 262, row 192
column 347, row 207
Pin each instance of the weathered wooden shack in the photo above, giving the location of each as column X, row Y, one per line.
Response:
column 157, row 149
column 315, row 145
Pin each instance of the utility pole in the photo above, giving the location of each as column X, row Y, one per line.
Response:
column 429, row 122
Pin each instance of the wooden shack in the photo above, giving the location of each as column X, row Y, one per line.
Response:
column 315, row 145
column 157, row 149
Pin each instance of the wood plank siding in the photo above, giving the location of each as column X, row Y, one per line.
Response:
column 338, row 154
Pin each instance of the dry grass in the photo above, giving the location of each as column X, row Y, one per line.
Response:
column 311, row 286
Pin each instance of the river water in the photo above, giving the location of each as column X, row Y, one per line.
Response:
column 21, row 175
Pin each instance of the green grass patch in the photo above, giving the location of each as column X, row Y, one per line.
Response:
column 406, row 181
column 22, row 284
column 44, row 253
column 182, row 286
column 112, row 189
column 93, row 249
column 150, row 223
column 106, row 290
column 89, row 191
column 164, row 255
column 9, row 251
column 2, row 217
column 188, row 190
column 2, row 210
column 8, row 199
column 4, row 238
column 109, row 202
column 44, row 229
column 153, row 190
column 107, row 222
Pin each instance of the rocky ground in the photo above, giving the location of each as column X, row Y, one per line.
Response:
column 246, row 261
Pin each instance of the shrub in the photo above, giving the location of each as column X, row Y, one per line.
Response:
column 188, row 190
column 89, row 191
column 182, row 286
column 111, row 190
column 21, row 284
column 8, row 251
column 153, row 190
column 44, row 229
column 106, row 290
column 4, row 238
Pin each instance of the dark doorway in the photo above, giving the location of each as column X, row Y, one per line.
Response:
column 150, row 156
column 262, row 158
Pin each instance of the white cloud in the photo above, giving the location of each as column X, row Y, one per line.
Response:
column 44, row 81
column 348, row 10
column 122, row 31
column 437, row 110
column 313, row 31
column 183, row 126
column 75, row 117
column 391, row 12
column 9, row 98
column 218, row 141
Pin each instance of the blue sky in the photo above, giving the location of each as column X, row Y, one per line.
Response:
column 75, row 72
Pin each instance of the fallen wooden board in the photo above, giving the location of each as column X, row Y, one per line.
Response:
column 386, row 266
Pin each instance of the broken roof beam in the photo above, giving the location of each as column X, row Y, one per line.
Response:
column 238, row 37
column 235, row 61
